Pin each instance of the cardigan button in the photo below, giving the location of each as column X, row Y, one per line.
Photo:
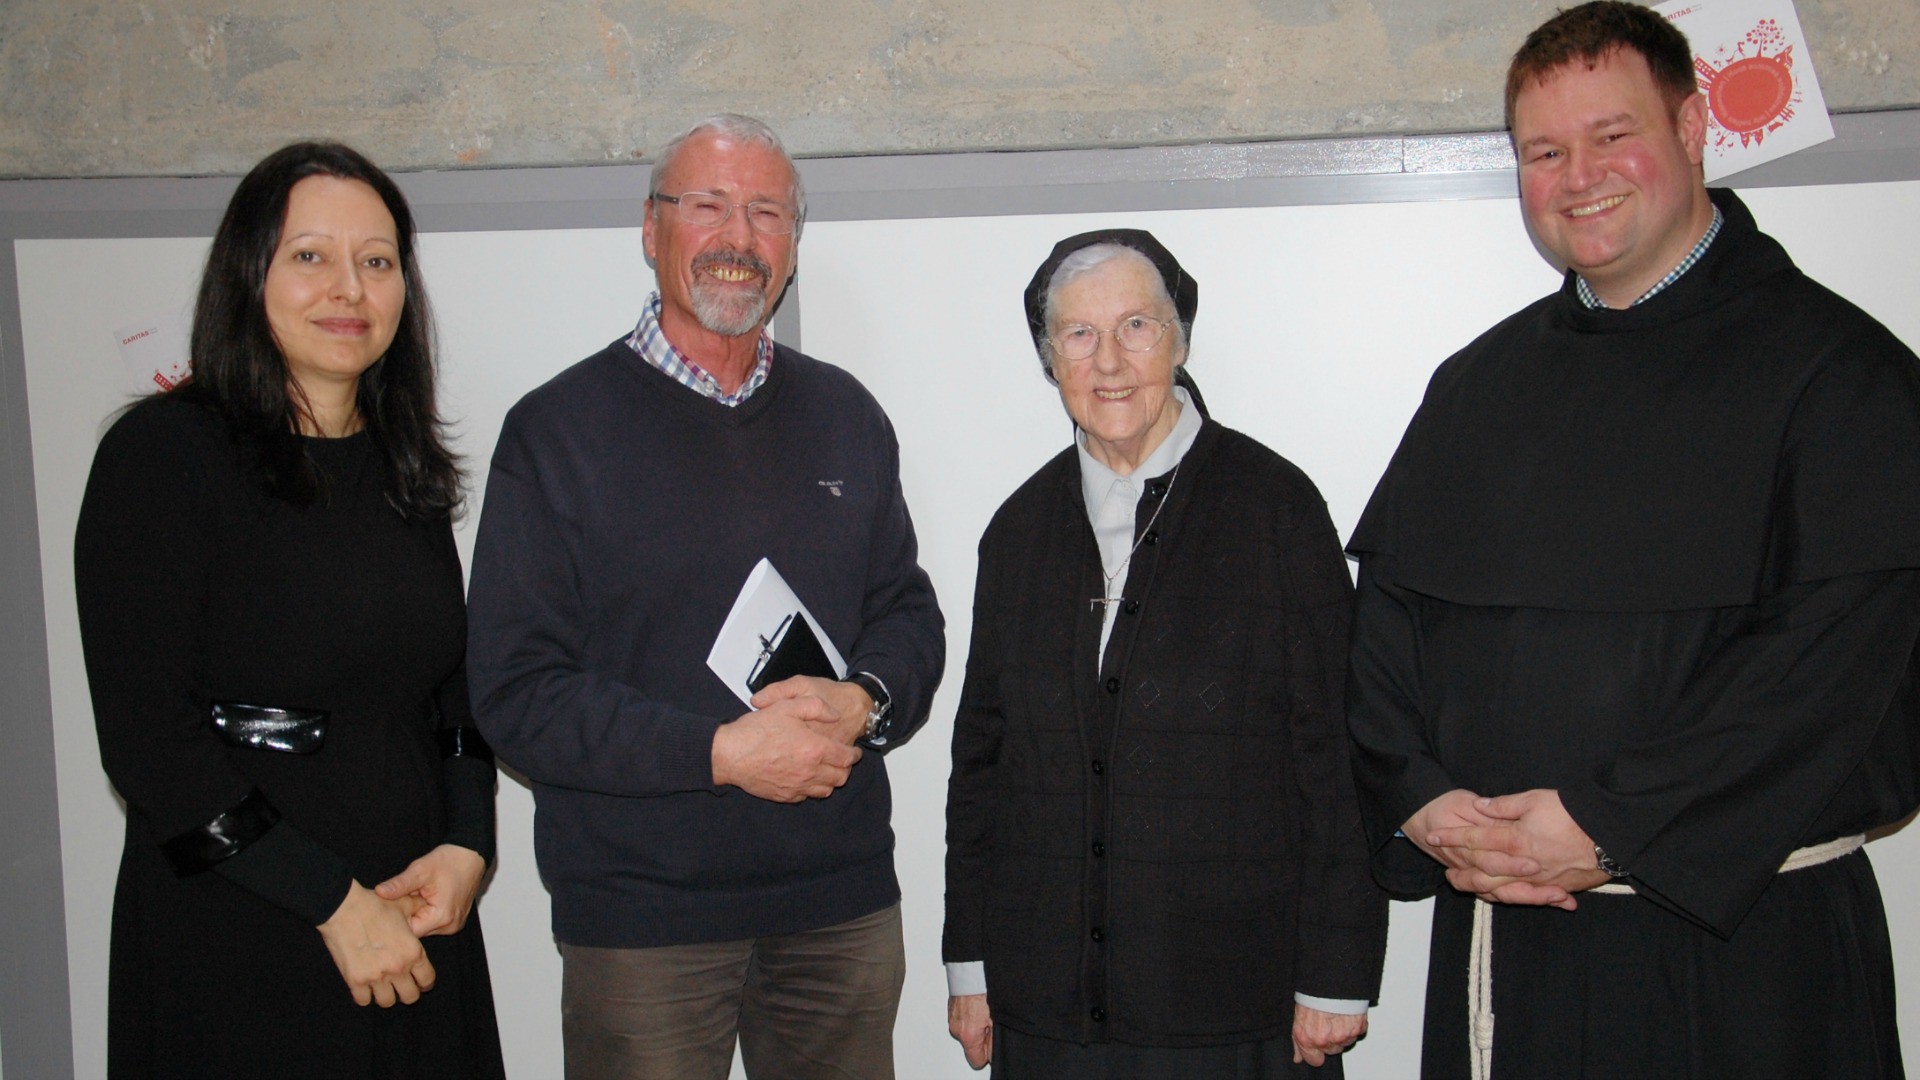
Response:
column 1099, row 767
column 1113, row 686
column 1152, row 538
column 1131, row 607
column 1156, row 488
column 1099, row 935
column 1099, row 1015
column 1099, row 850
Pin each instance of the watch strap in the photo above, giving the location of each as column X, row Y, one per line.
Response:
column 1607, row 865
column 882, row 705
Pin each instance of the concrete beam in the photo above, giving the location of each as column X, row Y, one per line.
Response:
column 202, row 87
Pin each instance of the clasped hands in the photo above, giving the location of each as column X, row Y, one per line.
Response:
column 1511, row 849
column 797, row 744
column 374, row 935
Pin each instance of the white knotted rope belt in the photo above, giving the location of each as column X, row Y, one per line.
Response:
column 1480, row 952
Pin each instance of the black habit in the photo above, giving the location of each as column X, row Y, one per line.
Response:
column 1664, row 561
column 1163, row 854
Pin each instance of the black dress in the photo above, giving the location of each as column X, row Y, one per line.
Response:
column 195, row 586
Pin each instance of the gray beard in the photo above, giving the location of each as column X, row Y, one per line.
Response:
column 725, row 313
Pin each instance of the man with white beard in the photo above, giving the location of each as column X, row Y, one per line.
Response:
column 714, row 875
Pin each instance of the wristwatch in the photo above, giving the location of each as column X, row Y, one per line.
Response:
column 877, row 726
column 1612, row 869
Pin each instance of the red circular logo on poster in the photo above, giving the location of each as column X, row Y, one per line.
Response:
column 1750, row 93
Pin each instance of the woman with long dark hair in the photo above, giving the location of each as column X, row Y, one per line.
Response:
column 271, row 612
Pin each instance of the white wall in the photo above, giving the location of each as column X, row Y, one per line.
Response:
column 1317, row 330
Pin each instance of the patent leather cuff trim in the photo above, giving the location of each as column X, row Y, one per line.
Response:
column 464, row 742
column 223, row 837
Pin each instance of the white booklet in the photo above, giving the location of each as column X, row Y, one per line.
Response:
column 761, row 622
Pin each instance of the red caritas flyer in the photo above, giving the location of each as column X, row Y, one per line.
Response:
column 1763, row 100
column 155, row 350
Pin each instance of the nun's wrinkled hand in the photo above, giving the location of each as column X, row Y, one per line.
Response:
column 1317, row 1034
column 970, row 1022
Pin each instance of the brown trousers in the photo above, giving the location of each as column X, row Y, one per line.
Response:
column 818, row 1005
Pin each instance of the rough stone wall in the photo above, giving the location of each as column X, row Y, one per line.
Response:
column 185, row 87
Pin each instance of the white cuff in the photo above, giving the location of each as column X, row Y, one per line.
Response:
column 970, row 977
column 1339, row 1006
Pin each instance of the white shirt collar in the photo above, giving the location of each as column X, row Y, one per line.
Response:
column 1113, row 500
column 1097, row 481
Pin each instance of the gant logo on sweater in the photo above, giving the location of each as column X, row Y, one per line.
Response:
column 832, row 485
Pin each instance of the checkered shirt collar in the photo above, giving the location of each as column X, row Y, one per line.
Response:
column 651, row 343
column 1592, row 300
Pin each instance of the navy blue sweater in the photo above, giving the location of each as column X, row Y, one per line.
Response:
column 622, row 514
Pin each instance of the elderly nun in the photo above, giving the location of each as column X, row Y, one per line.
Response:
column 1154, row 859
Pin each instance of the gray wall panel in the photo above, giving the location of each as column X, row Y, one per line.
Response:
column 36, row 1024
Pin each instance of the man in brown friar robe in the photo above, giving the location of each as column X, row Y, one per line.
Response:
column 1633, row 660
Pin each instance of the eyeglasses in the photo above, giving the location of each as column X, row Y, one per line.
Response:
column 1135, row 333
column 710, row 211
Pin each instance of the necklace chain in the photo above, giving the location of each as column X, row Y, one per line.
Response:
column 1106, row 597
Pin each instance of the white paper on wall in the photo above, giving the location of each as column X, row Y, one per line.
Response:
column 1752, row 60
column 155, row 350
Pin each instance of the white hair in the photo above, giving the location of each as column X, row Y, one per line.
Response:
column 1082, row 262
column 740, row 129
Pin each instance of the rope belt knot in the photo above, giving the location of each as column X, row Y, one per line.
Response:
column 1480, row 952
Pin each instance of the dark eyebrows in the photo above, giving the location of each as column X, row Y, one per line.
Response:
column 1597, row 125
column 295, row 238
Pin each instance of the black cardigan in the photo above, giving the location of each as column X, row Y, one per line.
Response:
column 1165, row 854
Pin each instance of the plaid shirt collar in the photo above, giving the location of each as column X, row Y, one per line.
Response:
column 1592, row 300
column 652, row 346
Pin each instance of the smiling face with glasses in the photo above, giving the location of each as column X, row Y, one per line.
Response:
column 720, row 270
column 710, row 211
column 1113, row 358
column 1135, row 333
